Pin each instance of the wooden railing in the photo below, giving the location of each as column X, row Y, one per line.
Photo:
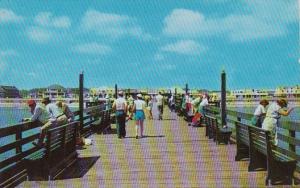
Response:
column 288, row 136
column 16, row 144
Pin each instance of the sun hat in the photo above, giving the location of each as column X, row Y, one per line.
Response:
column 283, row 102
column 139, row 95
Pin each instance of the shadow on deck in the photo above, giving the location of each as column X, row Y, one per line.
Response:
column 79, row 169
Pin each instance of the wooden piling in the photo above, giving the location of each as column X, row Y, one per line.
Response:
column 223, row 97
column 81, row 100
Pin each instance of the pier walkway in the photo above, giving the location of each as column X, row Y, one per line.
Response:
column 171, row 155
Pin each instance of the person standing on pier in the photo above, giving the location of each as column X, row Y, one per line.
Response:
column 130, row 107
column 160, row 105
column 274, row 113
column 259, row 113
column 42, row 116
column 189, row 109
column 120, row 106
column 150, row 106
column 139, row 107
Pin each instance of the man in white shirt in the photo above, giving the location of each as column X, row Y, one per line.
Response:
column 40, row 114
column 159, row 102
column 57, row 115
column 274, row 113
column 259, row 113
column 120, row 106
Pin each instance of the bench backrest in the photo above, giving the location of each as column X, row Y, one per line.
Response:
column 242, row 135
column 259, row 140
column 61, row 141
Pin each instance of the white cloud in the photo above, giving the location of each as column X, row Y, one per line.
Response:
column 48, row 20
column 112, row 25
column 7, row 16
column 31, row 74
column 92, row 49
column 7, row 53
column 48, row 27
column 185, row 47
column 259, row 20
column 242, row 28
column 158, row 57
column 38, row 34
column 4, row 56
column 167, row 67
column 188, row 23
column 270, row 10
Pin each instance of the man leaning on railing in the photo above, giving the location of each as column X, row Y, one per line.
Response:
column 41, row 115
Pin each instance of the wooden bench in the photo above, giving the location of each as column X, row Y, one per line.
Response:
column 263, row 155
column 218, row 133
column 206, row 122
column 58, row 153
column 96, row 121
column 105, row 124
column 242, row 141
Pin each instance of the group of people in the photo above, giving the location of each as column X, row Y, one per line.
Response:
column 48, row 115
column 194, row 108
column 267, row 118
column 135, row 109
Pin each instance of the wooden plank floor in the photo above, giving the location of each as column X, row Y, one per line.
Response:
column 172, row 155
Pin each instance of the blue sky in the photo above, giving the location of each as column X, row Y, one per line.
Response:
column 150, row 44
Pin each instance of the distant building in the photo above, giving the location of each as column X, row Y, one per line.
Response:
column 289, row 92
column 9, row 92
column 249, row 94
column 37, row 93
column 55, row 91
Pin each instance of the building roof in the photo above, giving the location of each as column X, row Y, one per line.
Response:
column 56, row 87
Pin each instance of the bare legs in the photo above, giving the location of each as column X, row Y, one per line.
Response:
column 139, row 124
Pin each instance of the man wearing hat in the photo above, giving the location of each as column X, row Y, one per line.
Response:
column 57, row 115
column 41, row 115
column 120, row 106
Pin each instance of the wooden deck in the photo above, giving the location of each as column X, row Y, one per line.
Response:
column 172, row 155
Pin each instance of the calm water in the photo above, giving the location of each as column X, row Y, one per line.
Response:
column 14, row 115
column 294, row 115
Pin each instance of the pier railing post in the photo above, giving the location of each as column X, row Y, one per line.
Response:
column 175, row 93
column 19, row 137
column 223, row 98
column 116, row 91
column 186, row 88
column 81, row 98
column 291, row 146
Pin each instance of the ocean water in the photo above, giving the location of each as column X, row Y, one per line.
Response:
column 14, row 115
column 294, row 115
